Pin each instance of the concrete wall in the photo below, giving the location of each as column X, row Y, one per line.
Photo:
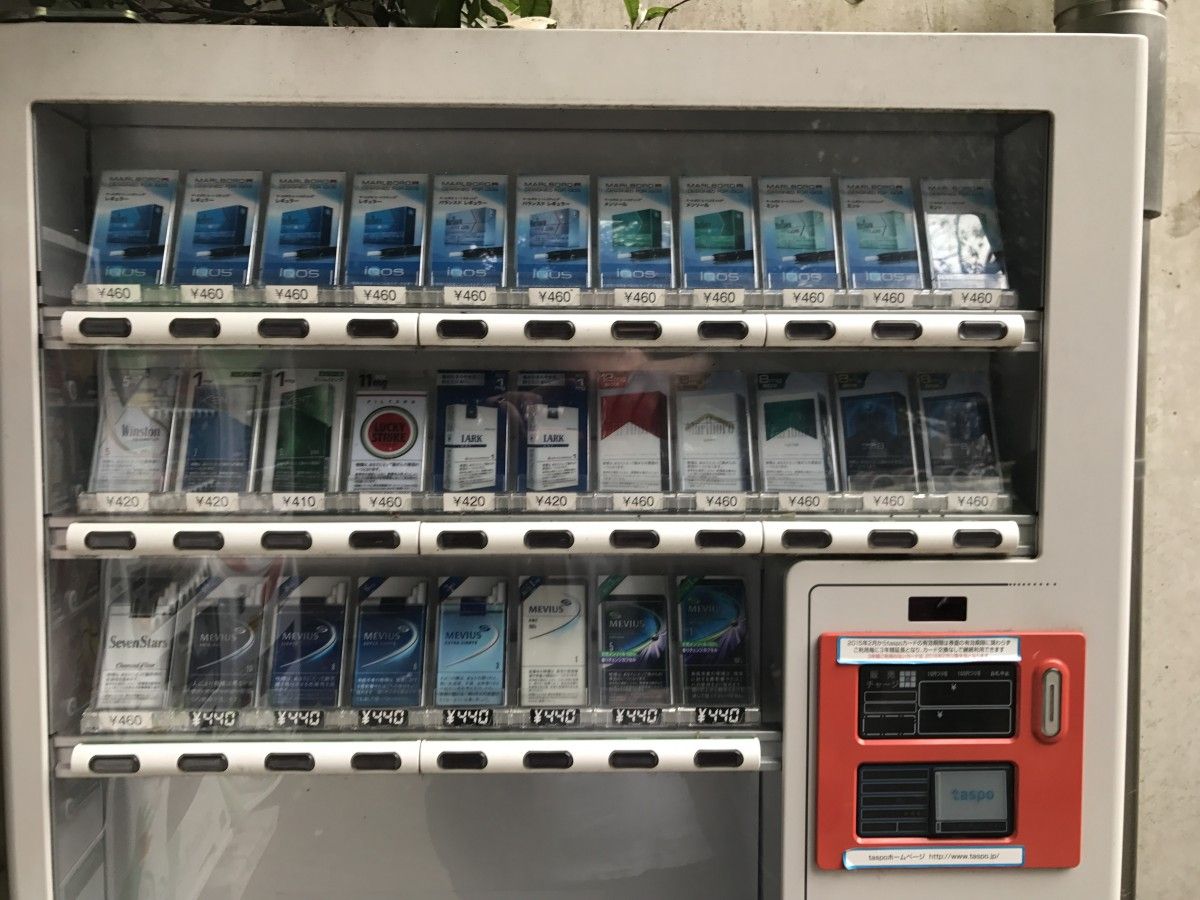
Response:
column 1169, row 811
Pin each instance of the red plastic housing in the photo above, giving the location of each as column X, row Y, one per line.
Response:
column 1048, row 792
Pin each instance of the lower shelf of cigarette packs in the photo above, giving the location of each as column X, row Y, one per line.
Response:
column 729, row 750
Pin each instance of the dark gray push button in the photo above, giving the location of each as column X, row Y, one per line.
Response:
column 713, row 539
column 892, row 539
column 804, row 330
column 718, row 759
column 116, row 764
column 375, row 762
column 110, row 540
column 199, row 540
column 202, row 762
column 982, row 331
column 105, row 327
column 722, row 331
column 377, row 329
column 549, row 330
column 296, row 329
column 636, row 330
column 633, row 539
column 548, row 759
column 462, row 540
column 896, row 331
column 287, row 540
column 462, row 329
column 806, row 539
column 633, row 759
column 194, row 328
column 289, row 762
column 462, row 760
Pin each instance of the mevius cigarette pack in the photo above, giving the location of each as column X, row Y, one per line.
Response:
column 879, row 232
column 799, row 233
column 389, row 642
column 386, row 239
column 633, row 623
column 303, row 235
column 717, row 232
column 468, row 230
column 554, row 228
column 218, row 228
column 308, row 640
column 222, row 643
column 132, row 227
column 553, row 641
column 472, row 636
column 714, row 641
column 636, row 232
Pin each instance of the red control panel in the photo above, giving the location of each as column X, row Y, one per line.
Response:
column 949, row 749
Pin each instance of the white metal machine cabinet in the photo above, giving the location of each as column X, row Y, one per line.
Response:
column 747, row 514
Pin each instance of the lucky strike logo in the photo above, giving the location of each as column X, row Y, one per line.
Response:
column 389, row 432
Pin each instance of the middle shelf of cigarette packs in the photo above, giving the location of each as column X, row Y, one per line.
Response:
column 453, row 432
column 215, row 649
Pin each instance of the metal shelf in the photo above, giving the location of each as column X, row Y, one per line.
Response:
column 815, row 535
column 672, row 328
column 744, row 751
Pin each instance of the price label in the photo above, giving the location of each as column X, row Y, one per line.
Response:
column 380, row 295
column 468, row 718
column 560, row 297
column 719, row 298
column 804, row 502
column 111, row 502
column 385, row 503
column 638, row 502
column 623, row 715
column 807, row 298
column 888, row 501
column 469, row 296
column 114, row 293
column 215, row 719
column 206, row 293
column 965, row 298
column 299, row 718
column 640, row 298
column 889, row 298
column 298, row 502
column 554, row 717
column 965, row 502
column 468, row 502
column 720, row 715
column 211, row 502
column 706, row 502
column 552, row 501
column 291, row 293
column 125, row 720
column 383, row 718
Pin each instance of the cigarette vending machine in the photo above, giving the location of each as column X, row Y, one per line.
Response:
column 744, row 514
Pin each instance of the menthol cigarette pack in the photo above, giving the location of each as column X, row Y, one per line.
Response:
column 717, row 232
column 799, row 233
column 879, row 233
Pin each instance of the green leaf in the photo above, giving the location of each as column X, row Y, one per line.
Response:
column 536, row 7
column 656, row 12
column 498, row 14
column 513, row 6
column 632, row 9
